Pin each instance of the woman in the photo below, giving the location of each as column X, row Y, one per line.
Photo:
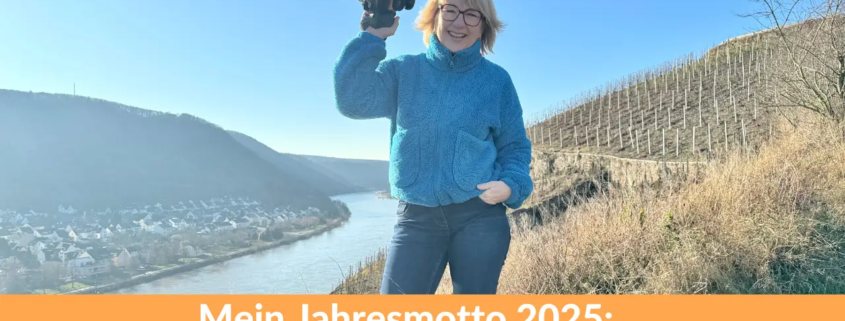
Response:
column 459, row 154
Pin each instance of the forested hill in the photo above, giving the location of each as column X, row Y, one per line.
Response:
column 339, row 176
column 89, row 153
column 368, row 174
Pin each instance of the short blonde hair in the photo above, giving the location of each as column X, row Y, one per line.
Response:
column 491, row 25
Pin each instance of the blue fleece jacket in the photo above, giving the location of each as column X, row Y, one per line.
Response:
column 456, row 120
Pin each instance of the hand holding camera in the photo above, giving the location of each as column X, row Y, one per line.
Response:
column 382, row 33
column 380, row 18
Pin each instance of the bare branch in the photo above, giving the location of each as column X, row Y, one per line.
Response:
column 809, row 70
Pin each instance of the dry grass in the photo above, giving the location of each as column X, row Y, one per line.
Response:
column 772, row 224
column 366, row 279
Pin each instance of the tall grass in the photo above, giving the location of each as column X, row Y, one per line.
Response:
column 366, row 278
column 774, row 223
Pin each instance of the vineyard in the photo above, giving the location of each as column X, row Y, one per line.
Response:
column 691, row 109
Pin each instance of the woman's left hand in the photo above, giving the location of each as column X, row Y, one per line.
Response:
column 494, row 192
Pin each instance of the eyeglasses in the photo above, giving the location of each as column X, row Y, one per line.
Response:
column 451, row 12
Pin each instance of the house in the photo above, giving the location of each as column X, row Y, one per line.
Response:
column 5, row 252
column 64, row 235
column 205, row 229
column 278, row 219
column 145, row 226
column 67, row 255
column 242, row 222
column 26, row 229
column 5, row 234
column 89, row 262
column 140, row 217
column 133, row 227
column 168, row 226
column 256, row 219
column 106, row 233
column 37, row 248
column 52, row 235
column 67, row 247
column 85, row 235
column 39, row 255
column 113, row 252
column 49, row 255
column 69, row 210
column 71, row 233
column 24, row 236
column 179, row 224
column 156, row 228
column 223, row 226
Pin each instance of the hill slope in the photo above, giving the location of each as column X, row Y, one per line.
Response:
column 324, row 179
column 695, row 107
column 89, row 153
column 368, row 174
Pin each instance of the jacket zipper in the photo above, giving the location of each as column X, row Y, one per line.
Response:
column 445, row 97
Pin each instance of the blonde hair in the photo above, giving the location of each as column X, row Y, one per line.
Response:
column 491, row 25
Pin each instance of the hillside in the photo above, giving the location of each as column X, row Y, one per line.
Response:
column 367, row 174
column 327, row 181
column 92, row 154
column 696, row 107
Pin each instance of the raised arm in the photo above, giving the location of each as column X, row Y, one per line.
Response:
column 365, row 83
column 514, row 149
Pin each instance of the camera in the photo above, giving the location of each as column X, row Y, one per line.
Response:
column 384, row 12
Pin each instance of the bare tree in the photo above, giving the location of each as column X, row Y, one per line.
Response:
column 51, row 274
column 164, row 253
column 809, row 57
column 12, row 283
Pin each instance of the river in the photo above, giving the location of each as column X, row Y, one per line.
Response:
column 306, row 267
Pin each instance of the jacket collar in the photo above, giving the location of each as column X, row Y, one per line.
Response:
column 442, row 58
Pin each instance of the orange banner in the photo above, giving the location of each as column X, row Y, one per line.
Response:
column 418, row 308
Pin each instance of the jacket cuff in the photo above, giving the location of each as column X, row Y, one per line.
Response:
column 515, row 200
column 369, row 37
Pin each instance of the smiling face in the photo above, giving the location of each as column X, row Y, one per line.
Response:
column 458, row 26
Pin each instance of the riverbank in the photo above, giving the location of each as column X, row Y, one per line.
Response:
column 384, row 195
column 155, row 275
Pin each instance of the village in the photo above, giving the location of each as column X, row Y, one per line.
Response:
column 72, row 249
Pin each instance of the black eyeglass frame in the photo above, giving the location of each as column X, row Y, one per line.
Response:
column 460, row 13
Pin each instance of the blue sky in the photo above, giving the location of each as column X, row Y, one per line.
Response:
column 264, row 67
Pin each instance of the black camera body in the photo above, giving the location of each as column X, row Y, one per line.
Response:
column 384, row 12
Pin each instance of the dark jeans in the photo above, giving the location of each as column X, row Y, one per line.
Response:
column 472, row 237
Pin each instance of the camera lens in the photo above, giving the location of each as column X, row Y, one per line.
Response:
column 409, row 4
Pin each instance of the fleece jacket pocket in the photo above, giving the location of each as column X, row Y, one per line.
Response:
column 405, row 155
column 474, row 161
